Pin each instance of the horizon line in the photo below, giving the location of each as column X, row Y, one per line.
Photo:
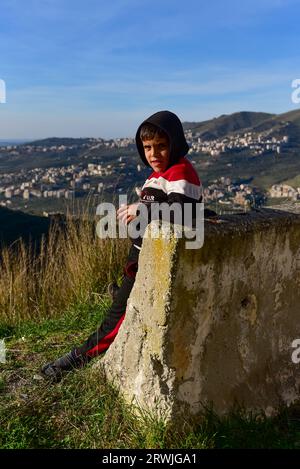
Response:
column 32, row 139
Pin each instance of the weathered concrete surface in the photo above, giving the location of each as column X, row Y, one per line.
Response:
column 214, row 325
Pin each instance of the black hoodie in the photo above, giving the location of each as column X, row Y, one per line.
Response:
column 179, row 182
column 171, row 125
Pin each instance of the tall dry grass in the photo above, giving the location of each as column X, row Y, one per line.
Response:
column 71, row 265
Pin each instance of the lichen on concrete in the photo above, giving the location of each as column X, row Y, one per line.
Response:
column 213, row 325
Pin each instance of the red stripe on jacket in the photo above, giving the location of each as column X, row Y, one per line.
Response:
column 183, row 169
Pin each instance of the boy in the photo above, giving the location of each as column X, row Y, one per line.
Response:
column 162, row 145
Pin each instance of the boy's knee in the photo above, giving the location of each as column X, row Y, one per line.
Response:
column 130, row 269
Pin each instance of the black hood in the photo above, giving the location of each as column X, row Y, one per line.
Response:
column 171, row 125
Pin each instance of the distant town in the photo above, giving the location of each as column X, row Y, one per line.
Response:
column 258, row 143
column 95, row 175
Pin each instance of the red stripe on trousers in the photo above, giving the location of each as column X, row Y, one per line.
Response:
column 106, row 341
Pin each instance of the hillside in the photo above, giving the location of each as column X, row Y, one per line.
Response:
column 241, row 163
column 287, row 123
column 15, row 224
column 226, row 124
column 57, row 141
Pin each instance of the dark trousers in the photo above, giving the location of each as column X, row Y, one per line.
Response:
column 99, row 341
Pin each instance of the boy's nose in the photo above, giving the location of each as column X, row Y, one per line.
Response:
column 155, row 151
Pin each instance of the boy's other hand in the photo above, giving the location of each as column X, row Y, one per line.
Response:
column 126, row 213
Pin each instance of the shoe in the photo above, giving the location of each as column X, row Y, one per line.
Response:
column 55, row 370
column 112, row 290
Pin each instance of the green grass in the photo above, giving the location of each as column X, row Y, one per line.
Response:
column 84, row 411
column 294, row 182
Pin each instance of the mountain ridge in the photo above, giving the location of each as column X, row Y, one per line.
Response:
column 243, row 121
column 220, row 126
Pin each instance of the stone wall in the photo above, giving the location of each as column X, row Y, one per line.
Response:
column 213, row 325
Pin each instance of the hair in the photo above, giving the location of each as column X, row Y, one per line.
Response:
column 150, row 131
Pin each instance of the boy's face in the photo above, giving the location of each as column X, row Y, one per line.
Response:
column 157, row 153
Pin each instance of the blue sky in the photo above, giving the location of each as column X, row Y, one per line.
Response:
column 99, row 67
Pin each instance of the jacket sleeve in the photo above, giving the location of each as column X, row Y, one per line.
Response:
column 182, row 203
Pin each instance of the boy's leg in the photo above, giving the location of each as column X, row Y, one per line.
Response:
column 100, row 340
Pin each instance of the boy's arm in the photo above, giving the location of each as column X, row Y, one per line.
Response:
column 127, row 213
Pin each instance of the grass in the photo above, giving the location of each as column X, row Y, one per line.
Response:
column 294, row 182
column 51, row 302
column 84, row 411
column 71, row 264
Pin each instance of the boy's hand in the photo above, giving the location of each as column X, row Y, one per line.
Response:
column 126, row 213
